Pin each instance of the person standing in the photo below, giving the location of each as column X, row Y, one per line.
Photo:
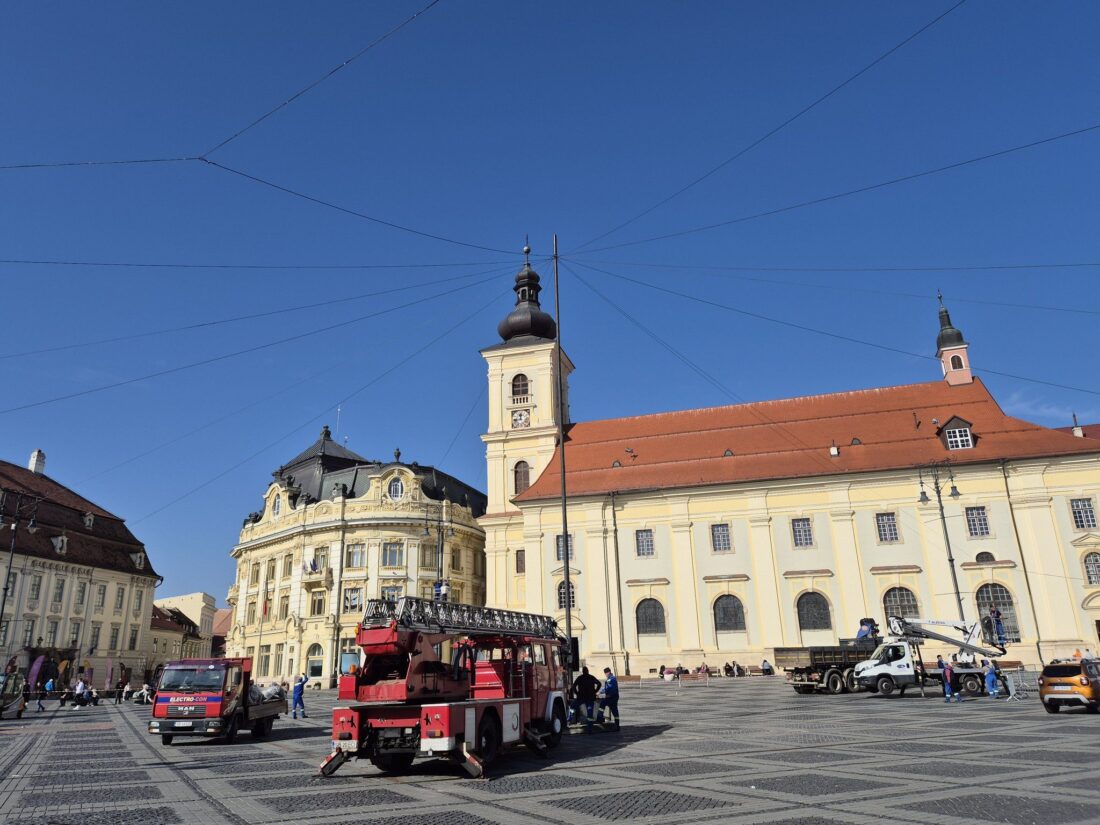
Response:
column 39, row 696
column 118, row 692
column 610, row 700
column 947, row 670
column 298, row 701
column 78, row 693
column 998, row 624
column 991, row 685
column 585, row 688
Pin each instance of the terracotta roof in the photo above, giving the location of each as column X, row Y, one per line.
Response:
column 223, row 621
column 162, row 619
column 1089, row 430
column 791, row 438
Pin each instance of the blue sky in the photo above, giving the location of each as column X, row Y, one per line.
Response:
column 482, row 123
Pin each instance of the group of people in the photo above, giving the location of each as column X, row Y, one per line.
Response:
column 586, row 690
column 995, row 680
column 728, row 669
column 81, row 693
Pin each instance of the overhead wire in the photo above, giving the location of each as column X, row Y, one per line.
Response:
column 826, row 333
column 857, row 191
column 323, row 412
column 273, row 267
column 124, row 162
column 774, row 130
column 481, row 394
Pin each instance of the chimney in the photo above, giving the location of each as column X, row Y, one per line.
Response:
column 37, row 464
column 1078, row 430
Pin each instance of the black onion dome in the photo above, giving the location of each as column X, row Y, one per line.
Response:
column 528, row 317
column 949, row 336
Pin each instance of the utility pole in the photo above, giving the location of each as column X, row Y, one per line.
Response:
column 934, row 469
column 561, row 454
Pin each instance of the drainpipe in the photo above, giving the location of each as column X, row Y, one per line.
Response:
column 619, row 586
column 1023, row 563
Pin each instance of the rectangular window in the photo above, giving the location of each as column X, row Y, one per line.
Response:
column 113, row 645
column 720, row 538
column 120, row 597
column 51, row 633
column 353, row 599
column 4, row 632
column 12, row 578
column 132, row 645
column 456, row 559
column 320, row 558
column 803, row 532
column 271, row 563
column 250, row 652
column 427, row 591
column 977, row 522
column 393, row 554
column 1084, row 516
column 284, row 607
column 265, row 659
column 288, row 565
column 250, row 613
column 392, row 593
column 74, row 632
column 93, row 643
column 643, row 543
column 36, row 588
column 138, row 599
column 429, row 557
column 254, row 574
column 278, row 660
column 317, row 603
column 887, row 526
column 81, row 593
column 959, row 439
column 101, row 595
column 559, row 554
column 59, row 590
column 28, row 633
column 355, row 555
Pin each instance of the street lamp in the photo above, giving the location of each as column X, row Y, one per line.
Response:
column 32, row 528
column 442, row 587
column 935, row 470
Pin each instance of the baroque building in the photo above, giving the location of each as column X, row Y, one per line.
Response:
column 197, row 609
column 80, row 586
column 335, row 530
column 722, row 533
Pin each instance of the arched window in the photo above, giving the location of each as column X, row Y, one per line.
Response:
column 650, row 615
column 561, row 595
column 956, row 362
column 522, row 475
column 813, row 612
column 276, row 506
column 1092, row 568
column 729, row 613
column 396, row 489
column 520, row 386
column 985, row 558
column 521, row 561
column 997, row 595
column 315, row 661
column 900, row 601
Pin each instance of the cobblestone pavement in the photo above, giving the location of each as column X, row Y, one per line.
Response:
column 738, row 751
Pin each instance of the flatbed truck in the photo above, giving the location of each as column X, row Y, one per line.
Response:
column 828, row 668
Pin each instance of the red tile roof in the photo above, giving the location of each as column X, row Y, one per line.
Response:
column 1087, row 430
column 223, row 621
column 791, row 438
column 161, row 619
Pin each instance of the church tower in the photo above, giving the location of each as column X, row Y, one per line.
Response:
column 522, row 432
column 951, row 349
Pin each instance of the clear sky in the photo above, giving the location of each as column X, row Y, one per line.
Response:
column 483, row 122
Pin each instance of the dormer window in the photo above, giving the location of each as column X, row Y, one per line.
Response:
column 959, row 438
column 139, row 560
column 396, row 489
column 276, row 506
column 89, row 520
column 60, row 544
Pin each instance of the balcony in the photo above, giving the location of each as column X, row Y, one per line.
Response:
column 234, row 592
column 315, row 579
column 520, row 400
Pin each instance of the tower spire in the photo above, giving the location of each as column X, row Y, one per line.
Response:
column 951, row 349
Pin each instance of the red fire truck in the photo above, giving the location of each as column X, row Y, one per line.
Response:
column 449, row 680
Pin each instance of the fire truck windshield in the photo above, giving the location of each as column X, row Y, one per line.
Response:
column 192, row 679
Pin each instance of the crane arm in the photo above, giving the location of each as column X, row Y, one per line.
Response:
column 915, row 629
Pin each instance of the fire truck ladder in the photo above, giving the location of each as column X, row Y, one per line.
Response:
column 449, row 617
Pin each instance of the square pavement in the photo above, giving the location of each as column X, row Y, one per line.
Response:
column 737, row 750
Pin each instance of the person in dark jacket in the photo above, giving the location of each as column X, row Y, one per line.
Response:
column 297, row 701
column 609, row 697
column 947, row 669
column 585, row 688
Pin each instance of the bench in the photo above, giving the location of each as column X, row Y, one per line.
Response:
column 632, row 678
column 693, row 679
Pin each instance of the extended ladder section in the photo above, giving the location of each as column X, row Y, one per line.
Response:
column 448, row 617
column 913, row 629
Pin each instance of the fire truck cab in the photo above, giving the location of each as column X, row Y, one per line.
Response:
column 449, row 680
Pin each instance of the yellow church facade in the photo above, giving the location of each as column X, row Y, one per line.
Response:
column 720, row 534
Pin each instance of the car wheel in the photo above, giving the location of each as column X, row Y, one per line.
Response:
column 1051, row 708
column 885, row 685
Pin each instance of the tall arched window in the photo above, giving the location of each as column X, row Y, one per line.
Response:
column 900, row 601
column 522, row 475
column 521, row 561
column 997, row 595
column 813, row 612
column 315, row 661
column 276, row 506
column 650, row 615
column 520, row 386
column 396, row 489
column 729, row 613
column 561, row 595
column 956, row 362
column 1092, row 568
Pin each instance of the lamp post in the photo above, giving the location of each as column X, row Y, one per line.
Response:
column 32, row 528
column 442, row 586
column 935, row 471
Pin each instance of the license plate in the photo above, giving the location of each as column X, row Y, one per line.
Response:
column 186, row 724
column 1062, row 687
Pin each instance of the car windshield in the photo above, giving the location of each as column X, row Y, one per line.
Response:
column 192, row 679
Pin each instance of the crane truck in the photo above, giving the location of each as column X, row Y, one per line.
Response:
column 896, row 663
column 459, row 681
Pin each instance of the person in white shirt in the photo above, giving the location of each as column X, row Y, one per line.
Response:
column 78, row 694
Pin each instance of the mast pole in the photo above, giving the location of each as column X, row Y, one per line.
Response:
column 566, row 555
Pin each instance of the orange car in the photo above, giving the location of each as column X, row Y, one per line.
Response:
column 1071, row 684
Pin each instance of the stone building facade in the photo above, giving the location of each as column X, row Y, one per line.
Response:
column 198, row 609
column 335, row 530
column 720, row 534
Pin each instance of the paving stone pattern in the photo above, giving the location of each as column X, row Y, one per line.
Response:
column 739, row 751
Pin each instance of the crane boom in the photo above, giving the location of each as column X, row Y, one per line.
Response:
column 912, row 629
column 412, row 613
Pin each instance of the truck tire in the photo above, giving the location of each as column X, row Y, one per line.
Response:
column 885, row 685
column 166, row 739
column 834, row 683
column 1051, row 708
column 971, row 685
column 231, row 729
column 557, row 725
column 850, row 683
column 803, row 689
column 488, row 738
column 259, row 728
column 392, row 762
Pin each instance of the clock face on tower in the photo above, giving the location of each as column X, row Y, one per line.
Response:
column 520, row 419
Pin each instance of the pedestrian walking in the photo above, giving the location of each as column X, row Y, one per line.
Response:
column 39, row 696
column 298, row 702
column 118, row 692
column 991, row 685
column 610, row 697
column 585, row 689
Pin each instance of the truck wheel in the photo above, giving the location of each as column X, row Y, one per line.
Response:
column 850, row 683
column 557, row 725
column 1051, row 708
column 392, row 762
column 231, row 730
column 834, row 682
column 803, row 689
column 885, row 685
column 166, row 739
column 269, row 723
column 488, row 738
column 259, row 729
column 971, row 686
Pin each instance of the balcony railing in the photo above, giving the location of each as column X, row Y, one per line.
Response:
column 521, row 399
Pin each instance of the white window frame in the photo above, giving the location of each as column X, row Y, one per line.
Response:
column 390, row 547
column 808, row 523
column 886, row 527
column 716, row 539
column 644, row 545
column 959, row 438
column 980, row 521
column 558, row 548
column 1087, row 513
